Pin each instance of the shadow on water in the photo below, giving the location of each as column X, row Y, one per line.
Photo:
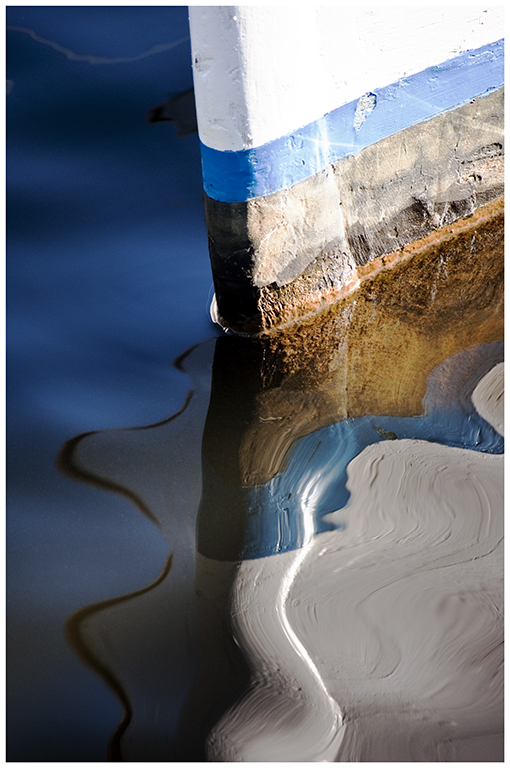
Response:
column 251, row 466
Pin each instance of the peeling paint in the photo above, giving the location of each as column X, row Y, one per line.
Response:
column 364, row 107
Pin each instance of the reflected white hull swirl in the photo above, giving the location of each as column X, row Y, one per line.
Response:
column 391, row 626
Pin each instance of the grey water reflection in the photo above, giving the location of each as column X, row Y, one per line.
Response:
column 251, row 470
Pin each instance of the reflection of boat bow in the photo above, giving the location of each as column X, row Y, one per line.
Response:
column 185, row 656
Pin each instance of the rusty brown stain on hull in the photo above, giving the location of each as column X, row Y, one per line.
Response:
column 290, row 303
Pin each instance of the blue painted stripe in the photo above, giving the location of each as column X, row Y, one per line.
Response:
column 238, row 176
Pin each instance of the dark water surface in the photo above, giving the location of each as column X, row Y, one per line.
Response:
column 108, row 281
column 120, row 624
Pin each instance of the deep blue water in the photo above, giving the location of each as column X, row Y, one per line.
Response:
column 108, row 280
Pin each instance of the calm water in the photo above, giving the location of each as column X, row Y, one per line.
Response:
column 120, row 634
column 108, row 281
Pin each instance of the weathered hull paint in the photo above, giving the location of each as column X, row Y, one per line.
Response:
column 233, row 177
column 291, row 215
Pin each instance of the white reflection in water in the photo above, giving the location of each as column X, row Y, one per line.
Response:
column 91, row 59
column 397, row 617
column 288, row 713
column 377, row 640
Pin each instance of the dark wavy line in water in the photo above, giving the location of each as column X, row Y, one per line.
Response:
column 242, row 523
column 76, row 634
column 66, row 462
